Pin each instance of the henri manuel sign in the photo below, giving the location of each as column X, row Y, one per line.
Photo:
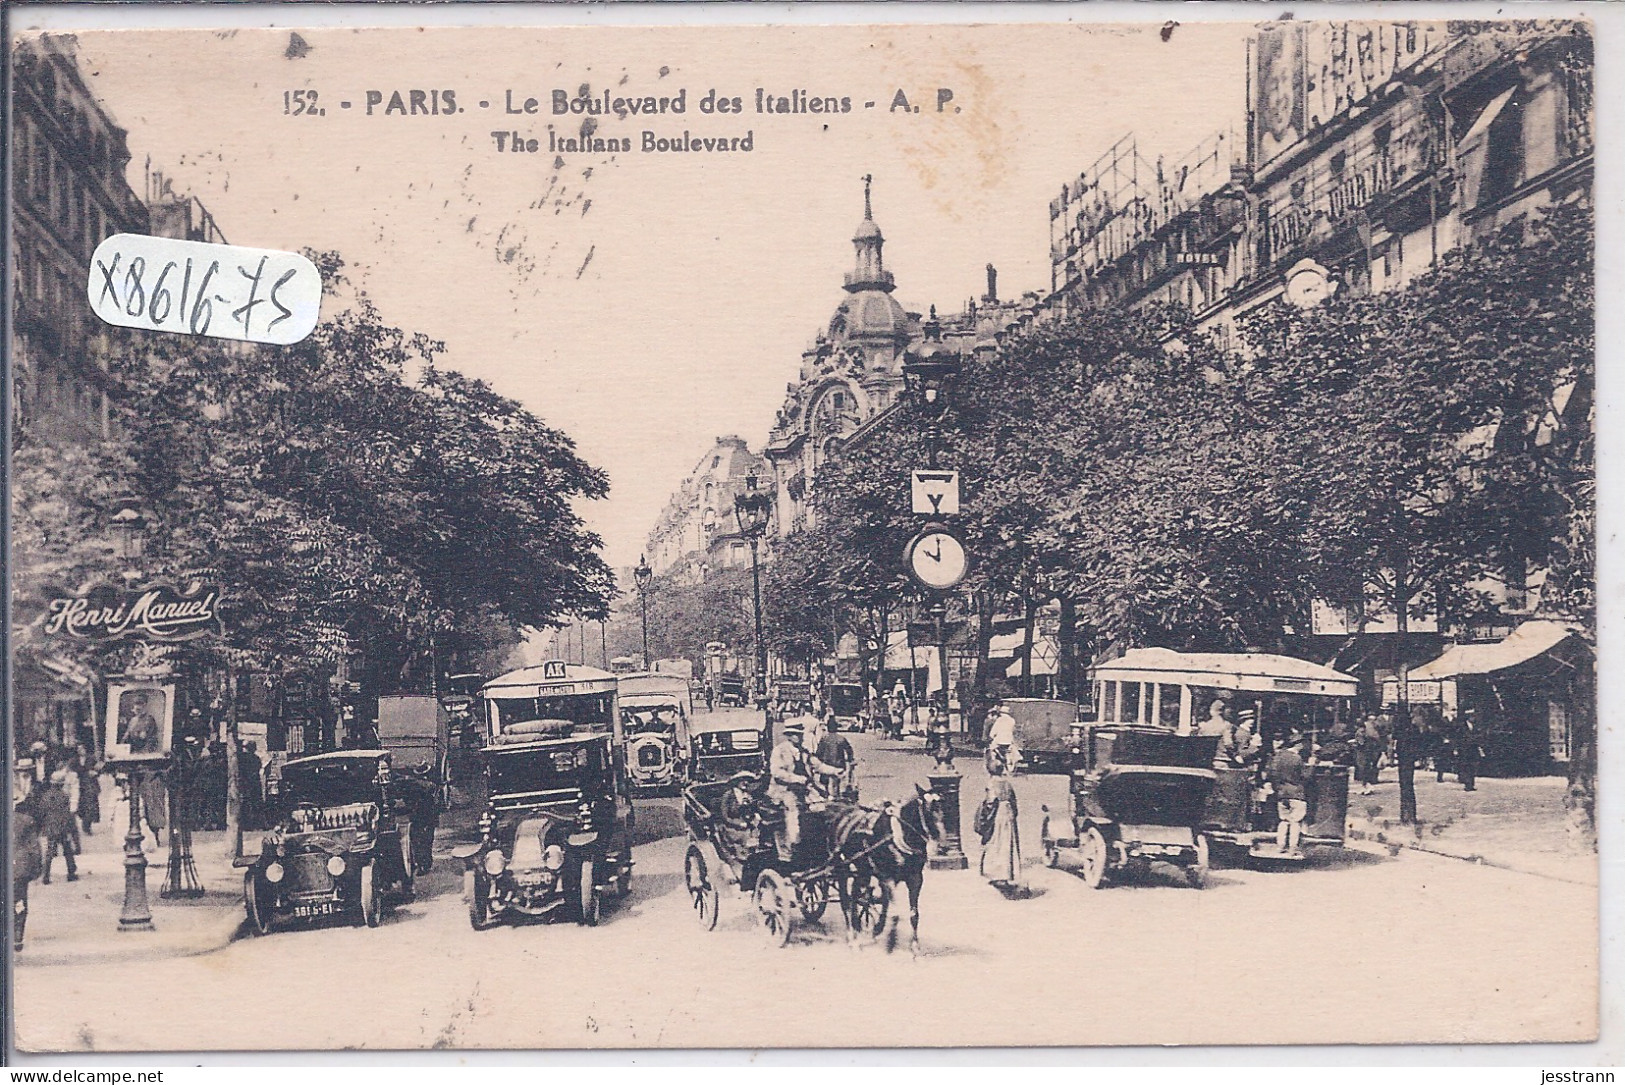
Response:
column 153, row 612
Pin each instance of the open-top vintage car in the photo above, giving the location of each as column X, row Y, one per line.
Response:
column 336, row 846
column 722, row 745
column 556, row 838
column 1139, row 795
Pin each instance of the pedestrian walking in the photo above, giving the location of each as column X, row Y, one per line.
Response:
column 1368, row 744
column 1469, row 749
column 89, row 808
column 50, row 809
column 1001, row 842
column 249, row 787
column 422, row 798
column 1003, row 752
column 1287, row 774
column 26, row 862
column 710, row 697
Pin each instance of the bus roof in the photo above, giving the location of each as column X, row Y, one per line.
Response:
column 528, row 681
column 1256, row 672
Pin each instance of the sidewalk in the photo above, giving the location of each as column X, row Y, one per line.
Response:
column 1516, row 824
column 77, row 922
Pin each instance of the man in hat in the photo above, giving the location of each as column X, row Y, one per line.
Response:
column 1218, row 718
column 791, row 770
column 50, row 807
column 1002, row 752
column 26, row 863
column 836, row 751
column 1239, row 744
column 1287, row 775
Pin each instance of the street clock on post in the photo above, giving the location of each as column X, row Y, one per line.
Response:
column 936, row 558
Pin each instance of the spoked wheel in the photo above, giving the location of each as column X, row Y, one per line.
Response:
column 812, row 897
column 869, row 899
column 702, row 894
column 479, row 903
column 590, row 906
column 1196, row 873
column 1094, row 856
column 773, row 898
column 372, row 906
column 256, row 904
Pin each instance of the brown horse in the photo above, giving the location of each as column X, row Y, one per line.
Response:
column 877, row 850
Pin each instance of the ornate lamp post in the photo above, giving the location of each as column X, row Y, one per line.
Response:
column 129, row 528
column 641, row 576
column 751, row 510
column 928, row 375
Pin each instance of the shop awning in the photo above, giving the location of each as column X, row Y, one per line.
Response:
column 900, row 658
column 1529, row 640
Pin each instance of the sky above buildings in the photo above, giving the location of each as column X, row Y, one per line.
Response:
column 647, row 302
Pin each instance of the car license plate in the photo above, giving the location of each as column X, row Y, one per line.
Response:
column 1174, row 835
column 311, row 911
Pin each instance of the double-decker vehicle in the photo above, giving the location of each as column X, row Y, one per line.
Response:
column 335, row 847
column 556, row 837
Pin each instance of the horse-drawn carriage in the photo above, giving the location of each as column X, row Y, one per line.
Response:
column 848, row 853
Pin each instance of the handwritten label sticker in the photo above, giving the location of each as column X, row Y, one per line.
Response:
column 194, row 288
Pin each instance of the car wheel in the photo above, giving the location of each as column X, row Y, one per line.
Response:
column 1094, row 857
column 479, row 904
column 256, row 904
column 1196, row 873
column 371, row 905
column 702, row 893
column 590, row 903
column 773, row 907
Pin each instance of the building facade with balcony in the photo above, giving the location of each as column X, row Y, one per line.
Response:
column 696, row 531
column 1371, row 150
column 69, row 194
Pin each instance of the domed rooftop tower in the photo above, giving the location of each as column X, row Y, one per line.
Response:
column 870, row 310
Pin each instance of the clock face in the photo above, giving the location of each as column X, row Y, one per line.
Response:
column 937, row 560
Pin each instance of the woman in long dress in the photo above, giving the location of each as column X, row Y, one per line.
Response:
column 1001, row 855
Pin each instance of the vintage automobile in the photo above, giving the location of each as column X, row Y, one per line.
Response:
column 556, row 837
column 336, row 847
column 1158, row 686
column 1138, row 796
column 655, row 710
column 848, row 706
column 731, row 691
column 720, row 746
column 1046, row 732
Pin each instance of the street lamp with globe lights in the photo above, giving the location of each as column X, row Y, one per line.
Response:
column 641, row 576
column 751, row 511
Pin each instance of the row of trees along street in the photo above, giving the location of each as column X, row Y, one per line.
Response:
column 1384, row 452
column 355, row 499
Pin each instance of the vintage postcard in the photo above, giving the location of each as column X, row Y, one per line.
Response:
column 898, row 535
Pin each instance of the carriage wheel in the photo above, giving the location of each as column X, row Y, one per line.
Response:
column 1196, row 873
column 255, row 904
column 773, row 906
column 1095, row 857
column 813, row 897
column 702, row 894
column 870, row 900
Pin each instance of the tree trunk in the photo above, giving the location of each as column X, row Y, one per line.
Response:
column 1404, row 733
column 1029, row 620
column 234, row 794
column 1068, row 644
column 976, row 716
column 1580, row 801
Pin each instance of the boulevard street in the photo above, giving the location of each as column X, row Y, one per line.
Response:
column 1419, row 948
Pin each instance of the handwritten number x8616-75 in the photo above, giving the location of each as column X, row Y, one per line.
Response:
column 158, row 305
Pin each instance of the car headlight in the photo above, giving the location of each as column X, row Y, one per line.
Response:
column 495, row 863
column 553, row 857
column 335, row 865
column 273, row 873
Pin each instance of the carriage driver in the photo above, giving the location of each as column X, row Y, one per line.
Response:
column 791, row 769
